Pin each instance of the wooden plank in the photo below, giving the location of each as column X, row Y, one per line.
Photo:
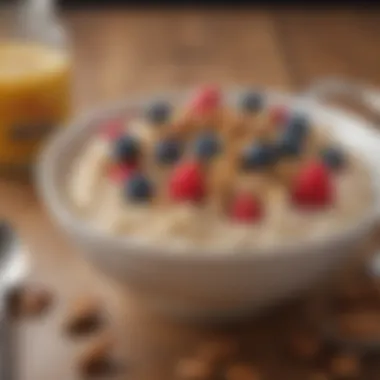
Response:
column 320, row 43
column 122, row 53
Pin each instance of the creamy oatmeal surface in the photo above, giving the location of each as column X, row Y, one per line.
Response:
column 208, row 174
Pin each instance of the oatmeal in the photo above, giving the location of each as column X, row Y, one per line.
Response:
column 210, row 174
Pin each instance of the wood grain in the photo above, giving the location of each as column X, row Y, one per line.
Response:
column 336, row 43
column 120, row 53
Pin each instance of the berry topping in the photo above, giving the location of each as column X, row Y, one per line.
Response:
column 112, row 130
column 138, row 188
column 126, row 150
column 289, row 144
column 159, row 112
column 187, row 182
column 298, row 126
column 258, row 156
column 279, row 115
column 120, row 173
column 207, row 145
column 168, row 151
column 252, row 101
column 206, row 100
column 246, row 208
column 333, row 157
column 313, row 186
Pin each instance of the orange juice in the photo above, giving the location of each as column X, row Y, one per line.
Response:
column 34, row 99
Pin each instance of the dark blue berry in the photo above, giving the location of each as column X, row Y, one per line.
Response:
column 252, row 101
column 126, row 149
column 168, row 151
column 333, row 157
column 158, row 112
column 138, row 188
column 289, row 144
column 207, row 145
column 298, row 126
column 258, row 156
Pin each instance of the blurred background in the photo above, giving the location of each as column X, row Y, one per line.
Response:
column 141, row 48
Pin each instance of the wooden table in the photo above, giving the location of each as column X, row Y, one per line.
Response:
column 118, row 53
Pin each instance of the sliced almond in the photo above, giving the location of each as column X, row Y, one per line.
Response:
column 84, row 315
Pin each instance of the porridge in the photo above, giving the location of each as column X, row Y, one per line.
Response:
column 210, row 174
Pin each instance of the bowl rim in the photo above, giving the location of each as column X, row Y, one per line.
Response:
column 47, row 189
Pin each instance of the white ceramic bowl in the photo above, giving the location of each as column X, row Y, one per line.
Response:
column 205, row 284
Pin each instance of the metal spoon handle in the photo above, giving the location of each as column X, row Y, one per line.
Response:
column 6, row 345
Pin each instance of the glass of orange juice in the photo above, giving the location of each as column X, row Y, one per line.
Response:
column 35, row 68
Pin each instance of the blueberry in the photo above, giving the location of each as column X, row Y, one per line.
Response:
column 207, row 145
column 333, row 157
column 252, row 101
column 258, row 156
column 298, row 126
column 138, row 188
column 168, row 151
column 158, row 112
column 126, row 149
column 289, row 144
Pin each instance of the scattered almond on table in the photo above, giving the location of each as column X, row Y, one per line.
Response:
column 29, row 300
column 345, row 365
column 361, row 324
column 193, row 369
column 84, row 315
column 241, row 371
column 96, row 358
column 305, row 345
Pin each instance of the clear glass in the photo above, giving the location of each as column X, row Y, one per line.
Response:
column 35, row 83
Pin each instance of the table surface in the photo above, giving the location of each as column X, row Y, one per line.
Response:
column 118, row 53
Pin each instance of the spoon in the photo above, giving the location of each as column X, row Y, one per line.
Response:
column 13, row 269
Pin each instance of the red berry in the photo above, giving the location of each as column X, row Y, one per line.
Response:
column 246, row 208
column 112, row 130
column 279, row 115
column 206, row 100
column 313, row 186
column 119, row 173
column 187, row 182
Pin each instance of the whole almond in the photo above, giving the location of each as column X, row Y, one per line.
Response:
column 193, row 369
column 241, row 371
column 96, row 357
column 84, row 315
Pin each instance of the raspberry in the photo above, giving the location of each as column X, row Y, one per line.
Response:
column 279, row 115
column 246, row 208
column 120, row 173
column 313, row 186
column 187, row 182
column 207, row 100
column 112, row 130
